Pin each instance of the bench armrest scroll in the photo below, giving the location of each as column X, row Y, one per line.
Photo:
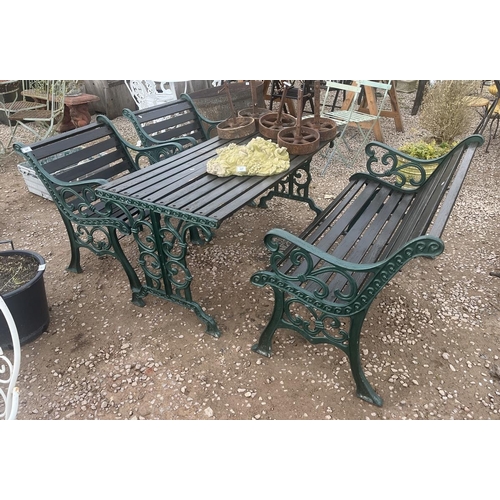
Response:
column 210, row 124
column 403, row 171
column 307, row 256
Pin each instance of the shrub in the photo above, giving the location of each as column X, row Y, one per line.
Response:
column 423, row 150
column 445, row 113
column 427, row 150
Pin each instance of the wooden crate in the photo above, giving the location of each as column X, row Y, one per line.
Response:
column 33, row 183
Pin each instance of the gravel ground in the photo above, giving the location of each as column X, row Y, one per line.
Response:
column 430, row 343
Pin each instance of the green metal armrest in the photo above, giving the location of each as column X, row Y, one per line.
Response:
column 322, row 298
column 211, row 124
column 407, row 172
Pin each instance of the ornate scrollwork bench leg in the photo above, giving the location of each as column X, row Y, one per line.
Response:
column 334, row 314
column 347, row 341
column 99, row 235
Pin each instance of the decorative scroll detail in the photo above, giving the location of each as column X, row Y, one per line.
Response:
column 299, row 256
column 9, row 371
column 338, row 303
column 403, row 171
column 164, row 262
column 162, row 241
column 96, row 239
column 398, row 169
column 195, row 220
column 157, row 154
column 320, row 328
column 294, row 186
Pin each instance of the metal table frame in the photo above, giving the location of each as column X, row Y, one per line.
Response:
column 179, row 203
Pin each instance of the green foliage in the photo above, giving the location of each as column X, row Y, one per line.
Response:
column 445, row 113
column 427, row 150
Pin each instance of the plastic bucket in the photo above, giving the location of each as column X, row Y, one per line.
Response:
column 27, row 304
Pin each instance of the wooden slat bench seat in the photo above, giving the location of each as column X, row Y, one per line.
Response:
column 71, row 165
column 178, row 121
column 325, row 280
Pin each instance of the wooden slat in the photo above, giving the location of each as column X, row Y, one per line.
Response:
column 451, row 197
column 424, row 205
column 95, row 151
column 369, row 245
column 330, row 233
column 69, row 140
column 161, row 110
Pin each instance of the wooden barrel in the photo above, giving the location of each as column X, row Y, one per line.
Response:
column 113, row 97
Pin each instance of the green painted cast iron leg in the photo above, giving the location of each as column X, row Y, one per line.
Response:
column 133, row 279
column 363, row 388
column 292, row 189
column 194, row 236
column 74, row 265
column 264, row 345
column 210, row 323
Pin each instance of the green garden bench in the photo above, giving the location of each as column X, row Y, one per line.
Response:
column 178, row 121
column 395, row 211
column 71, row 166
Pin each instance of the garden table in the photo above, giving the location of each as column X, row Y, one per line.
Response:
column 179, row 202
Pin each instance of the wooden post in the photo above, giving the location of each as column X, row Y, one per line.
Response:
column 394, row 113
column 419, row 96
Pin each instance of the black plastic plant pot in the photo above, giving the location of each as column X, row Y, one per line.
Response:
column 27, row 304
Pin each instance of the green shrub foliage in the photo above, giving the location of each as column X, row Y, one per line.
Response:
column 445, row 113
column 427, row 150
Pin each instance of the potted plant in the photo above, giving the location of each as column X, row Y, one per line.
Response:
column 74, row 87
column 446, row 116
column 23, row 289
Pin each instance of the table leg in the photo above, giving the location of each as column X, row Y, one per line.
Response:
column 294, row 186
column 162, row 241
column 419, row 96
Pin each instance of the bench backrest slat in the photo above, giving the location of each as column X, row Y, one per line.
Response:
column 167, row 121
column 445, row 212
column 188, row 129
column 425, row 203
column 166, row 109
column 68, row 141
column 84, row 154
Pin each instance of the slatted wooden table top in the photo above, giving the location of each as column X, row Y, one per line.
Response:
column 181, row 186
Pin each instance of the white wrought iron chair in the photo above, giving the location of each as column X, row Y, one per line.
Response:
column 9, row 371
column 17, row 100
column 145, row 92
column 20, row 102
column 43, row 120
column 348, row 146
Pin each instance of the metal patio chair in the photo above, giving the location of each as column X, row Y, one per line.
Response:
column 18, row 101
column 42, row 120
column 348, row 146
column 146, row 95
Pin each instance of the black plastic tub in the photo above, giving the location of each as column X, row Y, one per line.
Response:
column 27, row 304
